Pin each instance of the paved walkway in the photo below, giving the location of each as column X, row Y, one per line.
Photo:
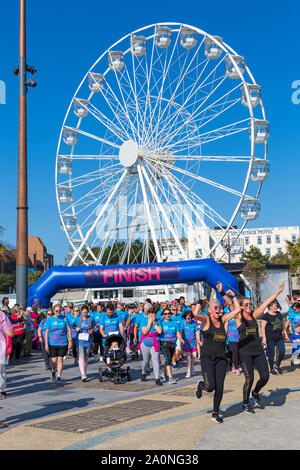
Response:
column 136, row 415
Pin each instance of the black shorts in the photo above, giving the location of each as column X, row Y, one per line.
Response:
column 58, row 351
column 168, row 350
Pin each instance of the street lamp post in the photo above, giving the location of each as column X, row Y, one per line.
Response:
column 22, row 207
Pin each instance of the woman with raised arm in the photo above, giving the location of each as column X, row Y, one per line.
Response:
column 251, row 351
column 213, row 352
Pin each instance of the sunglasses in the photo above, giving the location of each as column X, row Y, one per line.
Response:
column 167, row 313
column 217, row 307
column 248, row 304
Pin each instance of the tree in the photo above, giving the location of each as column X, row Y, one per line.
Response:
column 254, row 270
column 291, row 257
column 33, row 276
column 7, row 283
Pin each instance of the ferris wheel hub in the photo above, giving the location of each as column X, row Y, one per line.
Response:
column 129, row 153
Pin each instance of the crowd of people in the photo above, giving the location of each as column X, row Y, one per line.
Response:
column 170, row 334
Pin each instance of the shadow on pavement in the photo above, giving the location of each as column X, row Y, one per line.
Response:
column 49, row 409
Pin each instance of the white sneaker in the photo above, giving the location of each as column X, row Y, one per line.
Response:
column 188, row 375
column 163, row 377
column 172, row 381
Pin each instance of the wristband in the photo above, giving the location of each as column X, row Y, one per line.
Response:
column 222, row 293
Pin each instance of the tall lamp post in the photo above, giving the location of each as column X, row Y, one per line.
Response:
column 22, row 207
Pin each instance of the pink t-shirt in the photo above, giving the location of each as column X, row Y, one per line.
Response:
column 5, row 325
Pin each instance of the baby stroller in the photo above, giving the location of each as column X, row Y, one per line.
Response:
column 114, row 360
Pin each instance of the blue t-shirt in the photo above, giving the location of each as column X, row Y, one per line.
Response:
column 139, row 318
column 71, row 318
column 123, row 315
column 57, row 327
column 179, row 320
column 189, row 335
column 294, row 317
column 144, row 322
column 169, row 331
column 97, row 319
column 42, row 325
column 110, row 324
column 83, row 323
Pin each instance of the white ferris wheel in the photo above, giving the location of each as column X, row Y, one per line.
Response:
column 166, row 133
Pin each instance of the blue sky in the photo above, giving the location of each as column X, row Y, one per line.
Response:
column 65, row 39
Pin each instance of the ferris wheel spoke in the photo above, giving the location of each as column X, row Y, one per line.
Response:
column 162, row 211
column 148, row 214
column 198, row 204
column 97, row 114
column 165, row 71
column 176, row 115
column 207, row 137
column 187, row 194
column 89, row 178
column 133, row 130
column 112, row 221
column 94, row 137
column 183, row 203
column 192, row 116
column 207, row 181
column 116, row 108
column 207, row 119
column 89, row 232
column 210, row 158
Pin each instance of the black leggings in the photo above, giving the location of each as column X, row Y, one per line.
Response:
column 248, row 363
column 234, row 354
column 97, row 340
column 214, row 372
column 168, row 350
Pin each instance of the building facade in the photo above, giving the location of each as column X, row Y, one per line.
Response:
column 38, row 257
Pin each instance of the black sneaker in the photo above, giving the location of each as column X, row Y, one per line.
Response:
column 215, row 417
column 59, row 381
column 274, row 371
column 278, row 370
column 143, row 377
column 248, row 409
column 158, row 382
column 257, row 400
column 53, row 375
column 199, row 388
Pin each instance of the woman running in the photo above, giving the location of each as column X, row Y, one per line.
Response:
column 273, row 332
column 150, row 343
column 58, row 340
column 191, row 336
column 213, row 352
column 71, row 318
column 251, row 351
column 85, row 326
column 171, row 331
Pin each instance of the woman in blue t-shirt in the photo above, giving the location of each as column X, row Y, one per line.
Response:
column 191, row 336
column 169, row 335
column 58, row 340
column 149, row 343
column 85, row 326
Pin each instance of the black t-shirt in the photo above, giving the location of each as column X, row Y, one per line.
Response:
column 273, row 326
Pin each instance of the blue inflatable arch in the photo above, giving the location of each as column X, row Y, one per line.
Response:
column 72, row 277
